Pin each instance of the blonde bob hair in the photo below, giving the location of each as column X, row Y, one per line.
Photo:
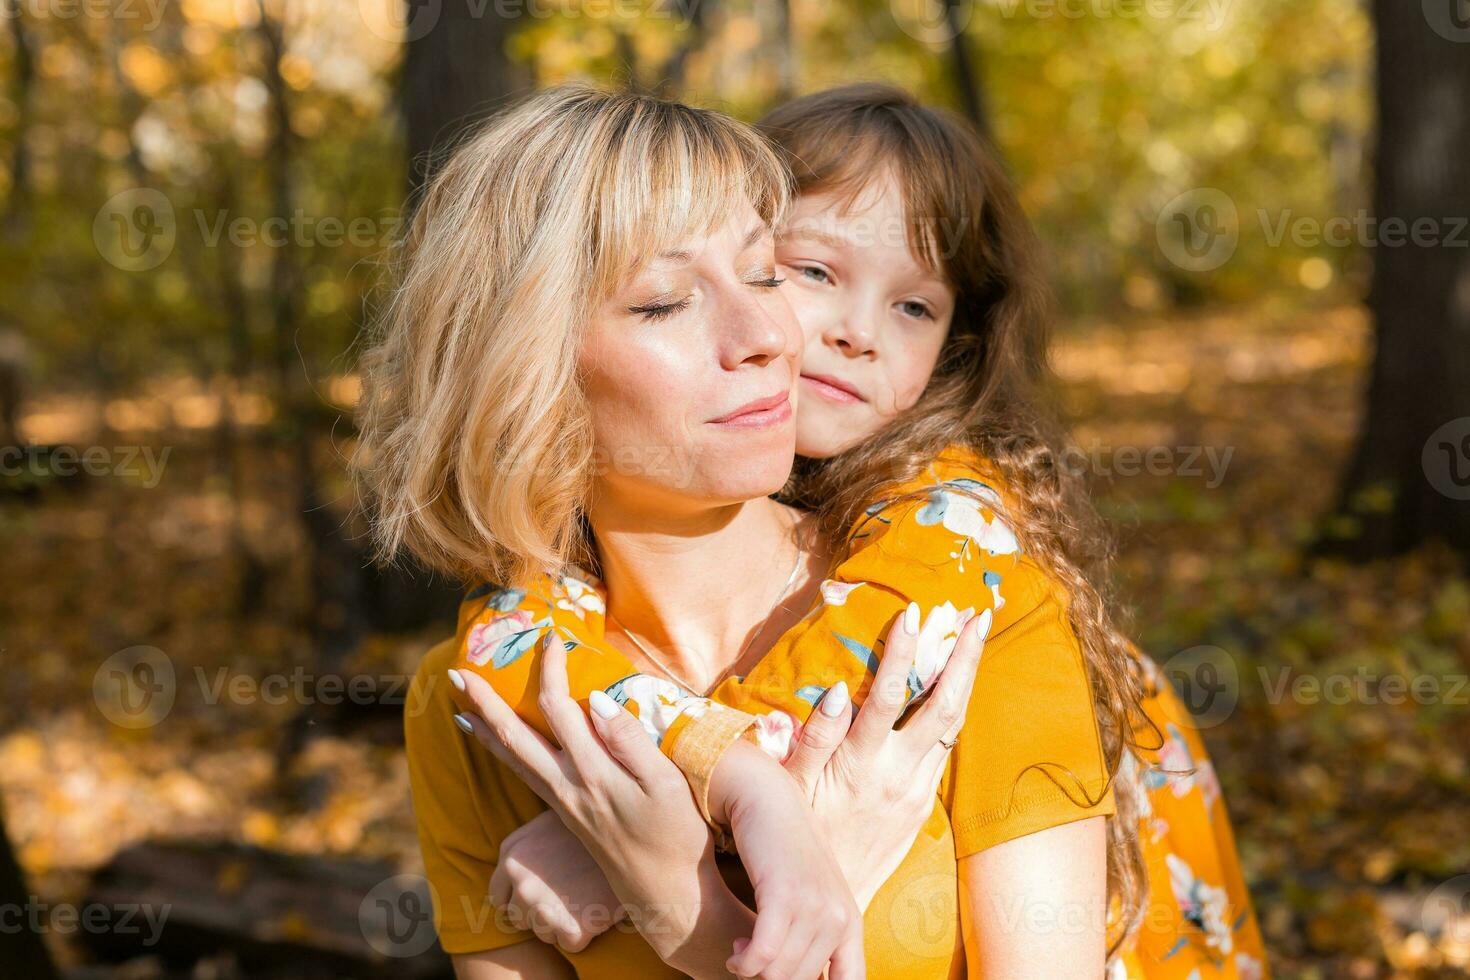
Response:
column 475, row 449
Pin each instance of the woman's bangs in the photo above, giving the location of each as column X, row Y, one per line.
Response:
column 681, row 179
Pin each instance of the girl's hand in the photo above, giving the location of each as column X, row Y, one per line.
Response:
column 801, row 893
column 632, row 809
column 873, row 787
column 547, row 882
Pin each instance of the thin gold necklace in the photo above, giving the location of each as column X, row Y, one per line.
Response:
column 761, row 628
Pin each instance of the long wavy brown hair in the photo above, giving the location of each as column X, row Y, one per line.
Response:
column 989, row 391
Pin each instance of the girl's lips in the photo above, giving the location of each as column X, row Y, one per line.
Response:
column 832, row 389
column 759, row 414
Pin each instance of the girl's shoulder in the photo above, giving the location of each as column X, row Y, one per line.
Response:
column 944, row 534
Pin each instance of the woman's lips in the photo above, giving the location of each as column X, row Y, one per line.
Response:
column 759, row 414
column 833, row 389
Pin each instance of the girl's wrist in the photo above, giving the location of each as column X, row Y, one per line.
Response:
column 707, row 926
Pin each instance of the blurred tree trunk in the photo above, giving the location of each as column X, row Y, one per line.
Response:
column 695, row 33
column 23, row 952
column 455, row 72
column 1409, row 479
column 966, row 74
column 18, row 207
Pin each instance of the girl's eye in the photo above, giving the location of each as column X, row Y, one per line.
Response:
column 814, row 273
column 915, row 309
column 659, row 311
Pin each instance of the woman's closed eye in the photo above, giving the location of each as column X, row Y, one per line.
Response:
column 659, row 309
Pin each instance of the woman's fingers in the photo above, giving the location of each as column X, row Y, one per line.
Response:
column 511, row 740
column 889, row 693
column 626, row 740
column 566, row 718
column 824, row 730
column 943, row 715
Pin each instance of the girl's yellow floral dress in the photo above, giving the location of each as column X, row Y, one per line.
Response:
column 1028, row 758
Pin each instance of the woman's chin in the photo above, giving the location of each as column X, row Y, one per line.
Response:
column 746, row 476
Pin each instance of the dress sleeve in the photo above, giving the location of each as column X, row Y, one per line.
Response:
column 1030, row 755
column 499, row 637
column 465, row 803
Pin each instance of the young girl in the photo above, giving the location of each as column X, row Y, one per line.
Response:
column 929, row 453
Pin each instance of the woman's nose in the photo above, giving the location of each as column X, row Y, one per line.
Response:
column 758, row 332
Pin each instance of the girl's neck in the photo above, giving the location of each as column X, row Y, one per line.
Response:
column 697, row 588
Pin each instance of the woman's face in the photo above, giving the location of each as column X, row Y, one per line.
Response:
column 690, row 372
column 874, row 318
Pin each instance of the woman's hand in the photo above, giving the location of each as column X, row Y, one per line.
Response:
column 873, row 787
column 633, row 812
column 547, row 882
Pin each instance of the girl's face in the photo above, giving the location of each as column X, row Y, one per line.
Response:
column 690, row 372
column 874, row 318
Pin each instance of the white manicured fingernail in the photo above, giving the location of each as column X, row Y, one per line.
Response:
column 911, row 619
column 984, row 626
column 456, row 679
column 834, row 702
column 605, row 706
column 464, row 724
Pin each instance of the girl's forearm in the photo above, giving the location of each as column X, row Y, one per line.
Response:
column 718, row 919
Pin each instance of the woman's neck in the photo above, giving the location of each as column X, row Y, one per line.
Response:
column 698, row 588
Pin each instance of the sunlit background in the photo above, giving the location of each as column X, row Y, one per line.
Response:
column 194, row 199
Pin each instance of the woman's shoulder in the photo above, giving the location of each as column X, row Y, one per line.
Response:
column 498, row 624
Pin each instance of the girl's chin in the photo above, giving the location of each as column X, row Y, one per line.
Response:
column 824, row 439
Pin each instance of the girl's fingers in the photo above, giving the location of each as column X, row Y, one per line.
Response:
column 565, row 717
column 805, row 951
column 849, row 962
column 889, row 693
column 500, row 889
column 767, row 941
column 511, row 740
column 943, row 714
column 824, row 730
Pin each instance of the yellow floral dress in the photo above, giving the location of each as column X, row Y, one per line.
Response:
column 1028, row 759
